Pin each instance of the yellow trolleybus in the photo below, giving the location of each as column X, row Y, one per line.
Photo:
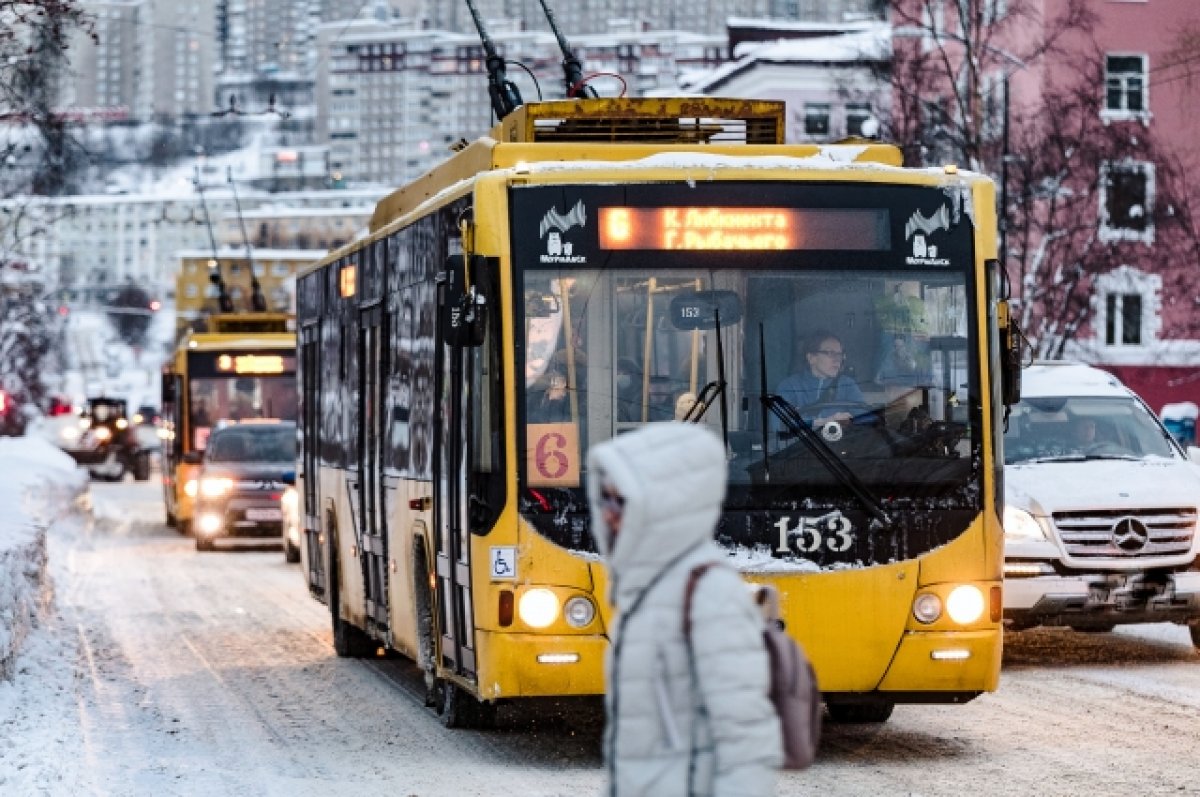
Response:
column 600, row 264
column 242, row 366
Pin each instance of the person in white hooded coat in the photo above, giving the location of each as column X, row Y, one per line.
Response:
column 677, row 724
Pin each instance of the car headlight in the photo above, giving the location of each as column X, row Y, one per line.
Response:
column 538, row 607
column 215, row 487
column 102, row 433
column 190, row 488
column 965, row 604
column 1020, row 526
column 122, row 423
column 209, row 523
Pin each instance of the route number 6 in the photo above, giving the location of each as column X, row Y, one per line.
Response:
column 552, row 455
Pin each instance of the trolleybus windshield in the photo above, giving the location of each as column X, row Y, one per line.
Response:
column 873, row 349
column 239, row 386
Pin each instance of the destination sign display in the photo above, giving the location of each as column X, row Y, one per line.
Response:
column 743, row 228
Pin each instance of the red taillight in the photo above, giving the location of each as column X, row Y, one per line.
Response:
column 505, row 617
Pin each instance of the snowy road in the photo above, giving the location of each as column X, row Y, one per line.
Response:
column 171, row 672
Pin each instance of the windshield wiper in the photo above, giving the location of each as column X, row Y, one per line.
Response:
column 1083, row 458
column 795, row 424
column 703, row 401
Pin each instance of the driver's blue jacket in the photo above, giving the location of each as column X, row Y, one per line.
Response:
column 805, row 391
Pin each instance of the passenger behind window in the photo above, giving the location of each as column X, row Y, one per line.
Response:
column 904, row 364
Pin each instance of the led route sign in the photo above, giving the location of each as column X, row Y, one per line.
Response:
column 744, row 228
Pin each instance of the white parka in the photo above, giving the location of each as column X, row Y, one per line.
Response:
column 667, row 733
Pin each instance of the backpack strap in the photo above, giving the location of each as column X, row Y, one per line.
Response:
column 693, row 579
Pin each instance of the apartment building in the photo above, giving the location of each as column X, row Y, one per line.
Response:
column 149, row 58
column 393, row 97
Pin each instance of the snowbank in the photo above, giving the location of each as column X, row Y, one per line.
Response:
column 38, row 484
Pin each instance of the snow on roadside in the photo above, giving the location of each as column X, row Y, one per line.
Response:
column 38, row 484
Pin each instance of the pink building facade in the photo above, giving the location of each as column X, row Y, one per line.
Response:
column 1144, row 324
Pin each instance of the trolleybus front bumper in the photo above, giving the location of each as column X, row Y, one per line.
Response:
column 539, row 665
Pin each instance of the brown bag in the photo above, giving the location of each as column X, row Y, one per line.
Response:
column 793, row 689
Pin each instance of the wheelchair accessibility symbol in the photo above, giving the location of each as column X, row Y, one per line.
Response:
column 504, row 563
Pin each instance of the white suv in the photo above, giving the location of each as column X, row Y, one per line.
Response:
column 1101, row 508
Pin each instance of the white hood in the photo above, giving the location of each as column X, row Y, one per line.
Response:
column 1044, row 488
column 672, row 476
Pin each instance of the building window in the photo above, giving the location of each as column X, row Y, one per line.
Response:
column 1123, row 319
column 1126, row 202
column 1125, row 84
column 1128, row 308
column 857, row 115
column 816, row 119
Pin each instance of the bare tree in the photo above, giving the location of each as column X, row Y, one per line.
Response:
column 1064, row 170
column 37, row 152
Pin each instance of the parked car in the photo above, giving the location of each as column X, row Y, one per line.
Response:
column 1100, row 508
column 240, row 487
column 107, row 444
column 13, row 416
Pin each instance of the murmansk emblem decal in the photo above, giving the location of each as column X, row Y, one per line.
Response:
column 917, row 228
column 554, row 228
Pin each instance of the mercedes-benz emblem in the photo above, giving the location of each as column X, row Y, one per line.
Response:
column 1130, row 534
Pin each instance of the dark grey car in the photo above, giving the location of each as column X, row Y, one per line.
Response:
column 241, row 482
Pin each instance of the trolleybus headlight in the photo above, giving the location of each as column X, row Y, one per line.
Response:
column 927, row 607
column 965, row 604
column 214, row 487
column 190, row 488
column 538, row 607
column 1021, row 526
column 579, row 612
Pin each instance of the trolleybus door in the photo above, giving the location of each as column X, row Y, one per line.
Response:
column 310, row 419
column 451, row 428
column 372, row 375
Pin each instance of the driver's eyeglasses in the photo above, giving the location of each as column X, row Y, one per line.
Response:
column 831, row 354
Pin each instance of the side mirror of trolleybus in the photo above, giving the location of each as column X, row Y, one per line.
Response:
column 464, row 307
column 1010, row 355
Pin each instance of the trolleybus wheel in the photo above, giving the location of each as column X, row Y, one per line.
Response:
column 291, row 553
column 461, row 710
column 203, row 544
column 172, row 521
column 859, row 713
